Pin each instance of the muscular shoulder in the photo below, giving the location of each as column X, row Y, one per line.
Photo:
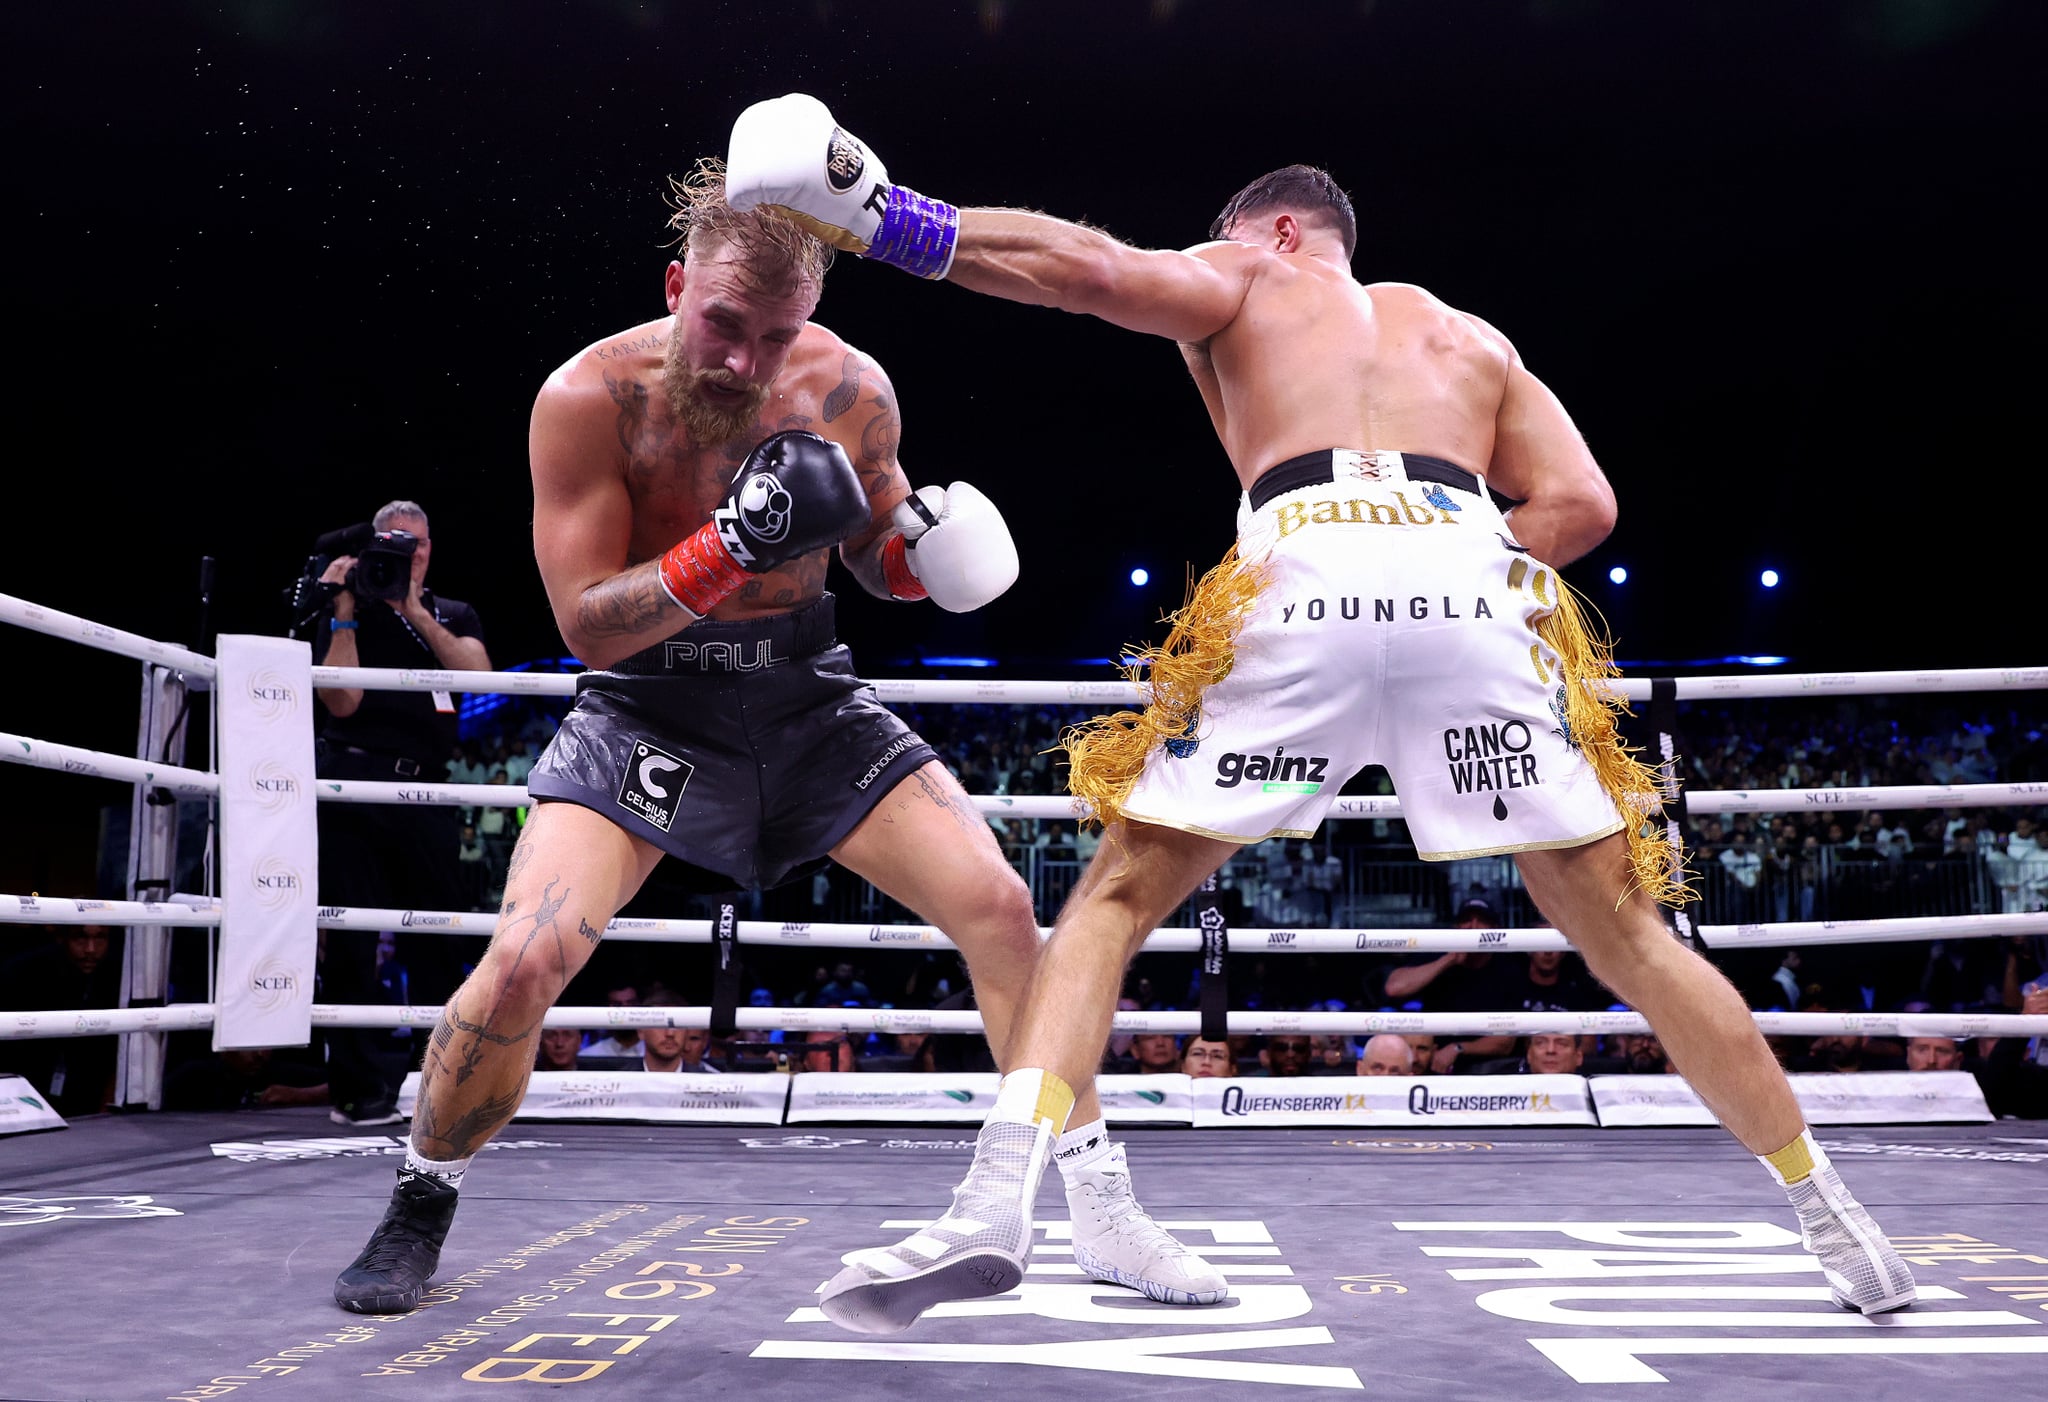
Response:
column 1405, row 299
column 832, row 378
column 606, row 374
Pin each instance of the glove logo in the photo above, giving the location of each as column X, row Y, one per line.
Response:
column 843, row 162
column 764, row 508
column 653, row 781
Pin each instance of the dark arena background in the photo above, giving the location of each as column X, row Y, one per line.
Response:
column 279, row 262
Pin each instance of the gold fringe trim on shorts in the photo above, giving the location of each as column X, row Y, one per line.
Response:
column 1586, row 663
column 1107, row 754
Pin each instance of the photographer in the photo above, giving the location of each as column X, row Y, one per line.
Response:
column 378, row 612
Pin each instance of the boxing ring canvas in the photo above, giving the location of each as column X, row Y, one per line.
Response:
column 191, row 1257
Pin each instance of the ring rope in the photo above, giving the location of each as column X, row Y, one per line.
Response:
column 70, row 759
column 187, row 1016
column 204, row 911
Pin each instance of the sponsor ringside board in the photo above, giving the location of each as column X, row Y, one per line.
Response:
column 23, row 1108
column 1826, row 1098
column 1381, row 1102
column 659, row 1096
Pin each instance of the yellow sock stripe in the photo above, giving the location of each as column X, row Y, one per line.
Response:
column 1585, row 661
column 1106, row 755
column 1793, row 1162
column 1055, row 1103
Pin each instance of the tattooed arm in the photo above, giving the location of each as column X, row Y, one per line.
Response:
column 860, row 415
column 583, row 520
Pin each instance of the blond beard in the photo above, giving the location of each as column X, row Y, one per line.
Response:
column 707, row 423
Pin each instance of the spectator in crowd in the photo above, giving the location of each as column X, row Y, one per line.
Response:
column 1386, row 1055
column 824, row 1049
column 1846, row 1053
column 259, row 1078
column 845, row 990
column 1552, row 1054
column 1202, row 1058
column 908, row 1052
column 1285, row 1054
column 1329, row 1056
column 1745, row 870
column 698, row 1058
column 1934, row 1054
column 559, row 1047
column 77, row 966
column 1155, row 1054
column 623, row 1041
column 1423, row 1045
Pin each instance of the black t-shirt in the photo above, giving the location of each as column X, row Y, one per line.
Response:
column 397, row 722
column 1457, row 988
column 1509, row 988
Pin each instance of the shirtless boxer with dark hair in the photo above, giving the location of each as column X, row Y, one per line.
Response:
column 690, row 475
column 1379, row 607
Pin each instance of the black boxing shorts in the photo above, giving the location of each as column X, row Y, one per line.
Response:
column 745, row 750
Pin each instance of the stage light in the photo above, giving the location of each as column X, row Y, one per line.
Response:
column 1141, row 577
column 1618, row 574
column 1769, row 579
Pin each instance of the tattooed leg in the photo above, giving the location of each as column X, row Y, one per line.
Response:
column 569, row 873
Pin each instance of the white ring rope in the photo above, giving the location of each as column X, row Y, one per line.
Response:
column 70, row 759
column 204, row 911
column 59, row 624
column 186, row 1016
column 994, row 692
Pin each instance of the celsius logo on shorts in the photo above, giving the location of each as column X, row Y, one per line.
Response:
column 654, row 780
column 1279, row 772
column 843, row 162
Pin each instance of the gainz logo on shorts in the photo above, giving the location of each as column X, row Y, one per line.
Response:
column 653, row 781
column 1488, row 758
column 1278, row 772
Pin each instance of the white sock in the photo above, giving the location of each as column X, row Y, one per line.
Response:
column 448, row 1171
column 1082, row 1148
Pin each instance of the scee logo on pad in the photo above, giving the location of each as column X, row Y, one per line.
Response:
column 654, row 780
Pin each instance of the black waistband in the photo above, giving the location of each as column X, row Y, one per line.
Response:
column 721, row 646
column 1312, row 468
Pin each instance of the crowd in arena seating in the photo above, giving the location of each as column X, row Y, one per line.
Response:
column 1812, row 860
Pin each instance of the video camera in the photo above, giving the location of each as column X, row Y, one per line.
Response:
column 383, row 570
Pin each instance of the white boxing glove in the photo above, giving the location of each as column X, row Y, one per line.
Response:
column 789, row 155
column 954, row 548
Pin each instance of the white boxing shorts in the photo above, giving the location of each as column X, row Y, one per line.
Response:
column 1395, row 624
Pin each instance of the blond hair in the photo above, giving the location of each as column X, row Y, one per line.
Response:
column 773, row 249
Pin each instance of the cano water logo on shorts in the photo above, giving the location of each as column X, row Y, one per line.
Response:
column 1279, row 772
column 1489, row 758
column 654, row 780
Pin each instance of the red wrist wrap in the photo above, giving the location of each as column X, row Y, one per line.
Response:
column 902, row 580
column 698, row 570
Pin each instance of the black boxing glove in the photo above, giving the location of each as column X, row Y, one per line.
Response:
column 795, row 493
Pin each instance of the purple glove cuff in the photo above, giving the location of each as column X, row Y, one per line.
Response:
column 916, row 233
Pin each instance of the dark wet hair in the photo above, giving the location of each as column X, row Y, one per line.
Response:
column 1306, row 189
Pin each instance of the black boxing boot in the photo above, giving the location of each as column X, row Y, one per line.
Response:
column 393, row 1270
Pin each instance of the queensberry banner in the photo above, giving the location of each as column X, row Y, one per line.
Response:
column 269, row 844
column 664, row 1096
column 1827, row 1098
column 23, row 1108
column 1382, row 1102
